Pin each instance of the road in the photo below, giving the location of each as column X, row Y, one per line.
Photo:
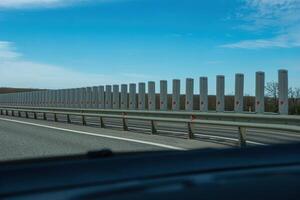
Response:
column 28, row 138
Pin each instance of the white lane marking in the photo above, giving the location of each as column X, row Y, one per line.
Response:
column 97, row 134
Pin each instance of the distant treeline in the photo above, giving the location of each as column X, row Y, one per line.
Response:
column 4, row 90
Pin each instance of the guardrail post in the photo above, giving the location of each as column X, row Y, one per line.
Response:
column 68, row 119
column 108, row 94
column 176, row 95
column 203, row 94
column 26, row 114
column 101, row 97
column 124, row 96
column 19, row 113
column 189, row 94
column 191, row 127
column 283, row 92
column 6, row 112
column 153, row 127
column 35, row 115
column 151, row 96
column 132, row 96
column 260, row 92
column 141, row 97
column 220, row 98
column 44, row 116
column 125, row 122
column 1, row 112
column 239, row 92
column 102, row 125
column 83, row 120
column 242, row 137
column 116, row 97
column 55, row 117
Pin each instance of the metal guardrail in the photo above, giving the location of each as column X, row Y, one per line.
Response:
column 266, row 118
column 126, row 115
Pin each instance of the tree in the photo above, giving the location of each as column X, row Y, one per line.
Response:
column 272, row 90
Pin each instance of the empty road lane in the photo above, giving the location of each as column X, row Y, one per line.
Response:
column 26, row 138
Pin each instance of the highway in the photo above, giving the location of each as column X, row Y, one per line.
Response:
column 28, row 138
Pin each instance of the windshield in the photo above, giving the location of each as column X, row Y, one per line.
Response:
column 147, row 75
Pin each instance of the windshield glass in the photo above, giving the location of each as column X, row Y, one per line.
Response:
column 147, row 75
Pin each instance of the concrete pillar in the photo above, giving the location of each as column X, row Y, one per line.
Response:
column 239, row 93
column 163, row 96
column 124, row 100
column 116, row 97
column 36, row 98
column 176, row 95
column 189, row 94
column 31, row 98
column 260, row 92
column 220, row 94
column 95, row 97
column 151, row 96
column 108, row 97
column 77, row 98
column 83, row 97
column 88, row 97
column 101, row 97
column 141, row 97
column 203, row 94
column 73, row 98
column 132, row 96
column 283, row 92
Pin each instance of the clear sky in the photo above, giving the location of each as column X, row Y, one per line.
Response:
column 74, row 43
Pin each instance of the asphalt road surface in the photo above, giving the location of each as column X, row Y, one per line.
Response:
column 22, row 138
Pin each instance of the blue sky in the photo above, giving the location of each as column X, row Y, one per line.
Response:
column 74, row 43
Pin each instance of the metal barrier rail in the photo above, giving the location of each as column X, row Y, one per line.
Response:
column 242, row 126
column 267, row 118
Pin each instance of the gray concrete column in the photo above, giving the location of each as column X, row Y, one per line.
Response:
column 95, row 97
column 124, row 97
column 176, row 95
column 76, row 98
column 151, row 96
column 73, row 98
column 189, row 94
column 163, row 97
column 116, row 97
column 88, row 97
column 239, row 93
column 101, row 97
column 220, row 94
column 132, row 96
column 141, row 97
column 52, row 98
column 83, row 97
column 283, row 92
column 203, row 94
column 56, row 98
column 64, row 98
column 260, row 92
column 108, row 97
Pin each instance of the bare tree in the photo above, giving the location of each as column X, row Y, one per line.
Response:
column 272, row 90
column 297, row 92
